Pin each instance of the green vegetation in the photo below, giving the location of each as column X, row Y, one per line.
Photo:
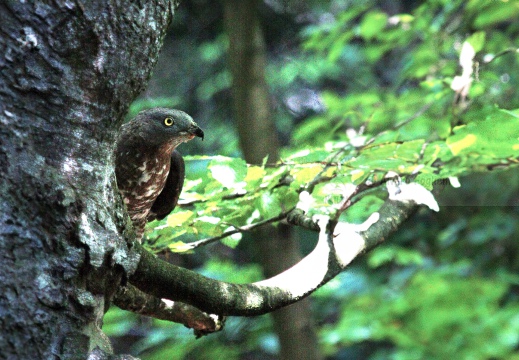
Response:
column 429, row 94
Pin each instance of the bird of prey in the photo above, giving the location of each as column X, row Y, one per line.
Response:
column 149, row 171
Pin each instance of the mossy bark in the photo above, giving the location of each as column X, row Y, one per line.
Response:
column 69, row 70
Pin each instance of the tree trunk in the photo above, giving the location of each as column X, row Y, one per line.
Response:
column 258, row 138
column 294, row 324
column 68, row 73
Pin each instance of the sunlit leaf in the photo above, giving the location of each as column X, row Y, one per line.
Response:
column 209, row 225
column 179, row 247
column 233, row 240
column 477, row 40
column 307, row 173
column 268, row 205
column 179, row 218
column 228, row 171
column 461, row 144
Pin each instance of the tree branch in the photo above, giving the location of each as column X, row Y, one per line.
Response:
column 298, row 217
column 499, row 54
column 338, row 245
column 132, row 299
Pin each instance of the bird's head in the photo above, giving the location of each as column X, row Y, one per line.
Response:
column 161, row 125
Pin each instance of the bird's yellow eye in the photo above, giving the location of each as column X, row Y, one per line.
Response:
column 168, row 121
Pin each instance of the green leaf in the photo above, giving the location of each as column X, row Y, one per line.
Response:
column 254, row 177
column 209, row 225
column 117, row 322
column 228, row 171
column 493, row 138
column 477, row 40
column 437, row 150
column 513, row 113
column 180, row 218
column 268, row 205
column 494, row 12
column 372, row 24
column 307, row 173
column 361, row 210
column 426, row 180
column 399, row 255
column 410, row 150
column 338, row 46
column 288, row 197
column 358, row 176
column 233, row 240
column 458, row 144
column 180, row 247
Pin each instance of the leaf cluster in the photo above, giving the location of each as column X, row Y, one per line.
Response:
column 444, row 287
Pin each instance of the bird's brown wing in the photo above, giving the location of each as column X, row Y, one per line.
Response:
column 168, row 198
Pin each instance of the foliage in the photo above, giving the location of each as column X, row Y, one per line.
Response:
column 428, row 94
column 424, row 319
column 221, row 200
column 414, row 129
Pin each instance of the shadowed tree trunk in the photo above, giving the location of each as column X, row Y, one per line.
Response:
column 68, row 73
column 278, row 250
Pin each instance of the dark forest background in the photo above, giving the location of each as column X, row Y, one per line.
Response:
column 446, row 285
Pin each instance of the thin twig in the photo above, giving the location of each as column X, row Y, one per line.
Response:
column 250, row 227
column 319, row 178
column 349, row 201
column 284, row 181
column 415, row 116
column 183, row 203
column 300, row 164
column 501, row 53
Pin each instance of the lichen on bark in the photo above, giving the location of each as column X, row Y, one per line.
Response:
column 69, row 70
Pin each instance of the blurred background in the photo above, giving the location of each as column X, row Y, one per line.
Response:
column 446, row 285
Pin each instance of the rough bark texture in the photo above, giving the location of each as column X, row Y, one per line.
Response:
column 130, row 298
column 258, row 138
column 69, row 69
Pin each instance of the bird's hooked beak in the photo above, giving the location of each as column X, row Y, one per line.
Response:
column 193, row 130
column 198, row 132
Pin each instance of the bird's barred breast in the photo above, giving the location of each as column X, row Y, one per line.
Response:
column 139, row 193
